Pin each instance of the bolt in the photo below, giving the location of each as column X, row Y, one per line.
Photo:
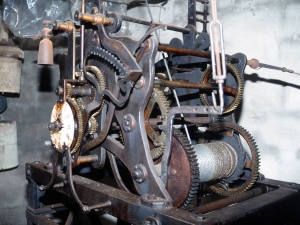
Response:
column 36, row 162
column 173, row 172
column 128, row 123
column 139, row 173
column 28, row 172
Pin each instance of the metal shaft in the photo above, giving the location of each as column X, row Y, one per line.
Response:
column 231, row 200
column 183, row 51
column 82, row 30
column 149, row 22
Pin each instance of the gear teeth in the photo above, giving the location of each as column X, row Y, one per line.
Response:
column 240, row 86
column 193, row 166
column 101, row 81
column 110, row 58
column 94, row 125
column 159, row 98
column 255, row 159
column 69, row 90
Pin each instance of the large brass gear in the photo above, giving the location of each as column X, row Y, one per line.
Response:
column 92, row 120
column 157, row 106
column 206, row 76
column 252, row 162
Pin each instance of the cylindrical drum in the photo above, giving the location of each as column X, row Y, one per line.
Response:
column 217, row 160
column 8, row 145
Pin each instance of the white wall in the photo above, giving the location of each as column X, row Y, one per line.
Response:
column 269, row 31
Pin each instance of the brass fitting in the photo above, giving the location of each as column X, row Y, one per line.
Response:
column 95, row 19
column 66, row 26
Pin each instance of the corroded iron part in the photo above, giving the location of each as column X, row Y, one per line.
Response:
column 45, row 55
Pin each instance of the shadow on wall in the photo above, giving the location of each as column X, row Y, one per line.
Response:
column 45, row 80
column 254, row 78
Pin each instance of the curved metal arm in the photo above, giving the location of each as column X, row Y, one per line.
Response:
column 85, row 208
column 54, row 172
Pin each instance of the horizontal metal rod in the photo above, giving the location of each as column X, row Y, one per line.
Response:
column 231, row 200
column 183, row 51
column 149, row 22
column 185, row 84
column 185, row 120
column 87, row 159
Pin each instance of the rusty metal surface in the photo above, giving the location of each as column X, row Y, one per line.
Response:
column 164, row 184
column 283, row 198
column 200, row 86
column 180, row 174
column 126, row 206
column 231, row 200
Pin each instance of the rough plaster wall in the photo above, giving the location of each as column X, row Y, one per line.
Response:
column 266, row 30
column 269, row 31
column 31, row 109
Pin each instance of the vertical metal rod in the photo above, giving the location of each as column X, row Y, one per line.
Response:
column 216, row 36
column 205, row 11
column 82, row 30
column 192, row 12
column 169, row 74
column 176, row 98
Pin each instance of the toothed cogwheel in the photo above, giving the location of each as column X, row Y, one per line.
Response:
column 237, row 91
column 251, row 168
column 157, row 106
column 183, row 177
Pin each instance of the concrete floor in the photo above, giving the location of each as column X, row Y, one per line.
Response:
column 266, row 30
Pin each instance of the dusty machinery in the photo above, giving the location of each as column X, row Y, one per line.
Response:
column 157, row 139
